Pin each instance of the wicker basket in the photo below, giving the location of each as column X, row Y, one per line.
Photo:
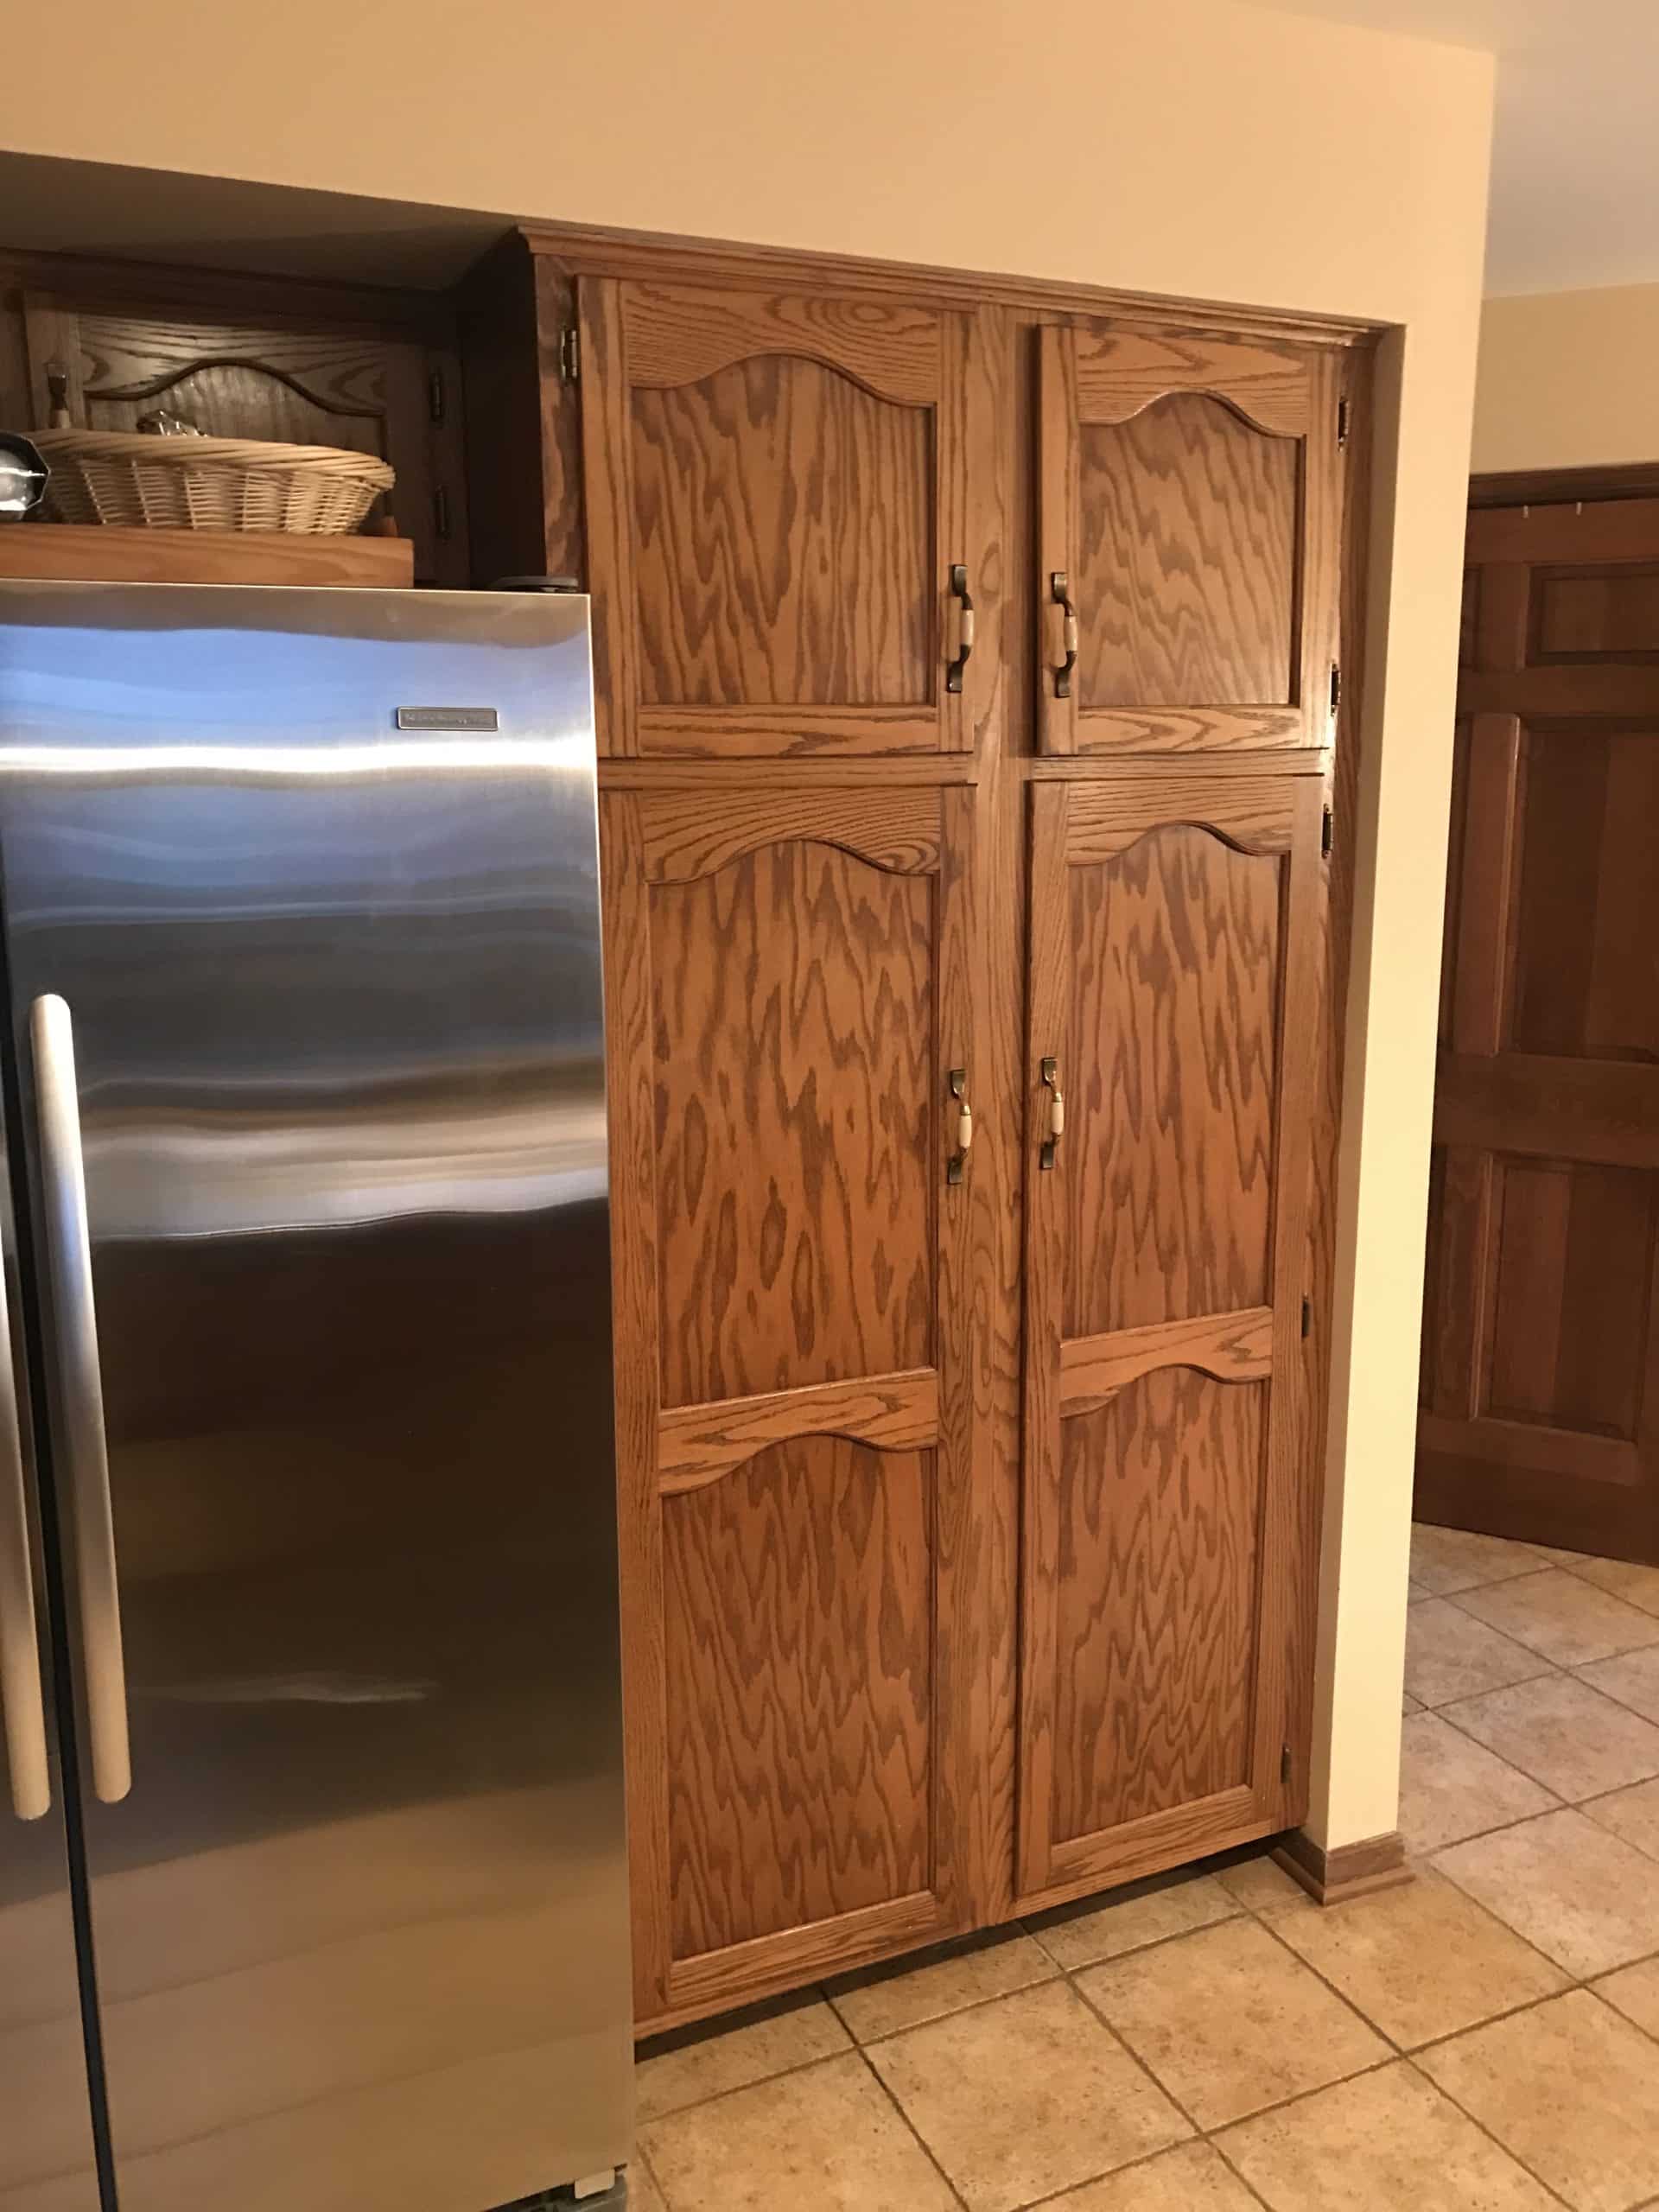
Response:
column 121, row 476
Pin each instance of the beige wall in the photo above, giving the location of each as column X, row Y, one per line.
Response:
column 1568, row 379
column 1192, row 146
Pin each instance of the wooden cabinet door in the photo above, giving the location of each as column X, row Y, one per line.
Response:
column 1540, row 1406
column 777, row 501
column 791, row 1016
column 1189, row 513
column 1174, row 931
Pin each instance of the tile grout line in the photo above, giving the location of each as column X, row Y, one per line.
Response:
column 1480, row 2125
column 951, row 2190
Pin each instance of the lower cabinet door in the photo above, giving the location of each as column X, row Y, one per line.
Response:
column 791, row 1033
column 1173, row 1004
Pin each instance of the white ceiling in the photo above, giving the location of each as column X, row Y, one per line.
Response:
column 1575, row 162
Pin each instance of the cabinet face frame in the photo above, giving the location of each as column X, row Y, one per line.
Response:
column 1092, row 823
column 669, row 836
column 638, row 337
column 1106, row 374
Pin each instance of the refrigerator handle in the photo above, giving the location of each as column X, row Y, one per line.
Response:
column 82, row 1453
column 23, row 1705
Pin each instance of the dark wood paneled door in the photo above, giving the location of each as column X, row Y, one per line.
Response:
column 1175, row 940
column 1189, row 509
column 778, row 517
column 791, row 974
column 1540, row 1412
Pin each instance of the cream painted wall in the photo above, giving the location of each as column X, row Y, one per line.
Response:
column 1568, row 379
column 1190, row 146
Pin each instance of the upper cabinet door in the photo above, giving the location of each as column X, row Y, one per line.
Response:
column 777, row 518
column 1174, row 1003
column 1190, row 508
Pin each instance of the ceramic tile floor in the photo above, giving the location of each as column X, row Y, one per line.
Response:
column 1485, row 2040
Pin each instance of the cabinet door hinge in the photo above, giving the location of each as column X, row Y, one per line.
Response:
column 1327, row 833
column 1336, row 686
column 440, row 512
column 1344, row 418
column 1284, row 1762
column 570, row 355
column 435, row 396
column 1308, row 1317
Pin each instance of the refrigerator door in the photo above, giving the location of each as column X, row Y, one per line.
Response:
column 302, row 935
column 47, row 2155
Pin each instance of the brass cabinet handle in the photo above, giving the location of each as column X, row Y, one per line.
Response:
column 1060, row 592
column 1050, row 1071
column 964, row 630
column 956, row 1164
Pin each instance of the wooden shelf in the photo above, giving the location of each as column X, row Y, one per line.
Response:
column 64, row 552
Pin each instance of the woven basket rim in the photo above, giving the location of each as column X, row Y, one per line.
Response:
column 245, row 454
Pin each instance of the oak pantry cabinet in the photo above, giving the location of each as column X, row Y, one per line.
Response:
column 968, row 663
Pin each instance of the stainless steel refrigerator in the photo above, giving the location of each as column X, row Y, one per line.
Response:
column 312, row 1885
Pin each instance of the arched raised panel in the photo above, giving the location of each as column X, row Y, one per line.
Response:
column 1186, row 558
column 791, row 971
column 792, row 1017
column 1189, row 497
column 799, row 1684
column 1172, row 998
column 1175, row 955
column 777, row 490
column 782, row 531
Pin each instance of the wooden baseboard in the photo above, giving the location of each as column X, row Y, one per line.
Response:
column 1352, row 1870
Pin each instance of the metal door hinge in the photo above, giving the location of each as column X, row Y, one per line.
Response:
column 1327, row 833
column 435, row 395
column 570, row 354
column 1307, row 1316
column 1284, row 1762
column 440, row 512
column 1336, row 686
column 1344, row 418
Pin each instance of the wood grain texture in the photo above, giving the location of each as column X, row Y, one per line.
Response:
column 1202, row 541
column 782, row 521
column 1174, row 954
column 691, row 835
column 1584, row 936
column 799, row 1690
column 1458, row 1295
column 795, row 1114
column 1108, row 816
column 1236, row 936
column 1231, row 1347
column 608, row 484
column 1186, row 569
column 1569, row 1328
column 637, row 1389
column 1590, row 614
column 105, row 553
column 777, row 488
column 1120, row 372
column 1160, row 1509
column 1563, row 1109
column 679, row 336
column 699, row 1444
column 1478, row 958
